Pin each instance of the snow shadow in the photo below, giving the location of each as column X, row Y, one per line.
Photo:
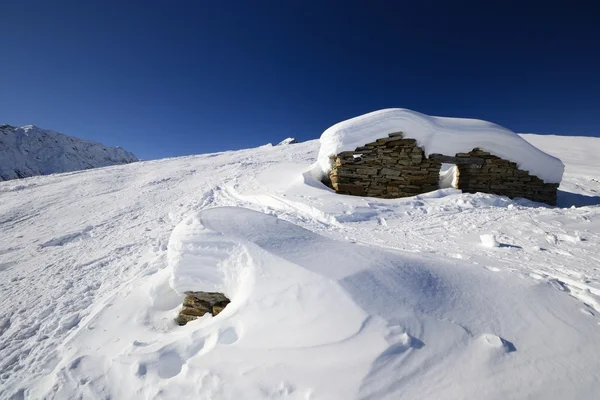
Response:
column 6, row 265
column 568, row 199
column 509, row 346
column 509, row 246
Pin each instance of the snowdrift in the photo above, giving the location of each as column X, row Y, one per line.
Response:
column 442, row 135
column 328, row 303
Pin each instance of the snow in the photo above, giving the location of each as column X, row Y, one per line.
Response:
column 333, row 297
column 30, row 151
column 289, row 140
column 448, row 176
column 442, row 135
column 489, row 240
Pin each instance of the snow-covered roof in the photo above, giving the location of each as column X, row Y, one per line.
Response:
column 442, row 135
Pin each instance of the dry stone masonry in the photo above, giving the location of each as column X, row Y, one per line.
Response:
column 502, row 177
column 396, row 166
column 389, row 168
column 196, row 304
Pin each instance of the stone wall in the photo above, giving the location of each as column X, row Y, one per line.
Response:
column 389, row 168
column 502, row 177
column 196, row 304
column 395, row 167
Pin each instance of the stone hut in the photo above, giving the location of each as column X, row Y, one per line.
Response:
column 392, row 164
column 396, row 166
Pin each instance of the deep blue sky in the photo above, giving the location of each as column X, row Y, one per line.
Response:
column 183, row 77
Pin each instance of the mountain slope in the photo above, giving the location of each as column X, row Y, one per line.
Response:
column 29, row 151
column 333, row 297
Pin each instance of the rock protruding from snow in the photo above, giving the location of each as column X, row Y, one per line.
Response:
column 197, row 304
column 29, row 151
column 289, row 140
column 440, row 135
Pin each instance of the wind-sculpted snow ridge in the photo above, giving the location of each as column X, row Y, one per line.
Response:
column 442, row 135
column 30, row 151
column 298, row 292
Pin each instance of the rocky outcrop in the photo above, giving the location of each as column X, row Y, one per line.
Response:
column 396, row 166
column 196, row 304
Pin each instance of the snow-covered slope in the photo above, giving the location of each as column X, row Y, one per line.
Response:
column 333, row 297
column 441, row 135
column 29, row 151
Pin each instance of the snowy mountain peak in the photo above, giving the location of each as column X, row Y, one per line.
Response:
column 29, row 150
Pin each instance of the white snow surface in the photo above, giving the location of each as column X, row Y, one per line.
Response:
column 286, row 141
column 448, row 176
column 489, row 240
column 29, row 151
column 333, row 296
column 442, row 135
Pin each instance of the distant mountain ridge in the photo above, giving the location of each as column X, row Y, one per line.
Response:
column 28, row 151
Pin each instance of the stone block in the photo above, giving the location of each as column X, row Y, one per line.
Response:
column 218, row 307
column 197, row 304
column 389, row 172
column 351, row 189
column 383, row 141
column 346, row 154
column 415, row 172
column 367, row 170
column 396, row 134
column 364, row 149
column 183, row 319
column 191, row 301
column 397, row 179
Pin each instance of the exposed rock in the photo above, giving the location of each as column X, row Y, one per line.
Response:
column 183, row 319
column 210, row 297
column 218, row 307
column 196, row 304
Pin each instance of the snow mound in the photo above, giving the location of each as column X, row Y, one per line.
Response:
column 289, row 140
column 393, row 311
column 198, row 256
column 442, row 135
column 489, row 240
column 30, row 151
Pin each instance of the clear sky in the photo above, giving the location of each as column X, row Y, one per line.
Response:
column 166, row 78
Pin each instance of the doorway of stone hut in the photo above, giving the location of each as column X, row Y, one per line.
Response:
column 448, row 176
